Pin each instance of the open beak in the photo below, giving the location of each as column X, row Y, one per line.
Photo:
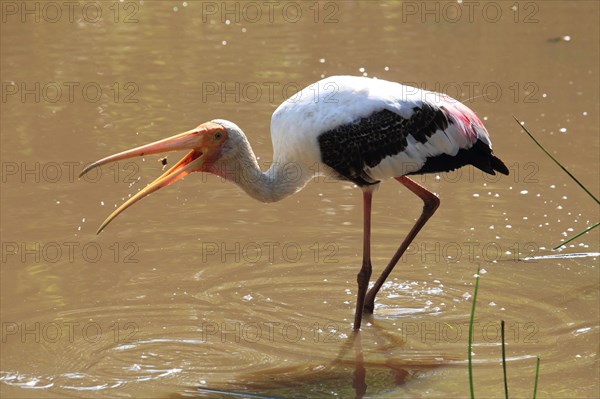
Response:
column 204, row 142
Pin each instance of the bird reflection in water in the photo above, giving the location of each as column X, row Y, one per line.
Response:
column 353, row 373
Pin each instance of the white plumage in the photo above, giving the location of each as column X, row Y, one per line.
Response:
column 342, row 100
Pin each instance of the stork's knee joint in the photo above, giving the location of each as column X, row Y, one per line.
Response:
column 364, row 274
column 431, row 204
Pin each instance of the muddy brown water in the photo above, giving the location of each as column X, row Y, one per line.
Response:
column 199, row 291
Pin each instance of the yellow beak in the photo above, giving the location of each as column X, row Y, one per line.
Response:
column 204, row 142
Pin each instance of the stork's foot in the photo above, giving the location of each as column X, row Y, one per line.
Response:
column 369, row 305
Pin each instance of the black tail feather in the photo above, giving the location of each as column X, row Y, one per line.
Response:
column 483, row 158
column 479, row 155
column 498, row 165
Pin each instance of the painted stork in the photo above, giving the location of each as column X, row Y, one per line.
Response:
column 355, row 129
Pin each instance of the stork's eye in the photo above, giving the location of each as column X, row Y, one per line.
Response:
column 218, row 135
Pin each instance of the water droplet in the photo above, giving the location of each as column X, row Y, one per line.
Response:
column 361, row 69
column 322, row 60
column 562, row 130
column 524, row 192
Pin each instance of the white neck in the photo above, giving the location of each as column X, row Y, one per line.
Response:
column 282, row 179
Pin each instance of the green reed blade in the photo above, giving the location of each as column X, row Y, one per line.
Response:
column 576, row 235
column 471, row 335
column 556, row 161
column 504, row 360
column 537, row 375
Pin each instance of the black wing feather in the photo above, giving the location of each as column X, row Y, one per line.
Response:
column 349, row 149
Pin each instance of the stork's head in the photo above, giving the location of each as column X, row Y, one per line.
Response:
column 210, row 144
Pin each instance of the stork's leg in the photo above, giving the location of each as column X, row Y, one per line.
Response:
column 364, row 274
column 430, row 204
column 360, row 372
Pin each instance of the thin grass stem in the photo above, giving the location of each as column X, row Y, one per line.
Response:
column 470, row 356
column 576, row 235
column 556, row 161
column 570, row 175
column 504, row 359
column 537, row 375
